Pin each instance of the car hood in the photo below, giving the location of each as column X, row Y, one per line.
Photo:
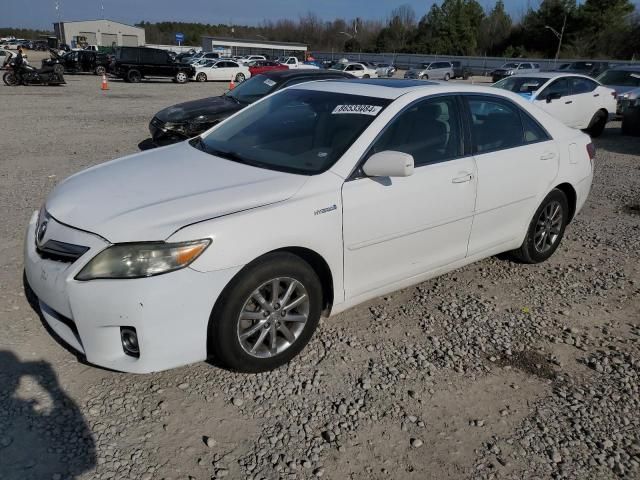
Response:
column 150, row 195
column 211, row 106
column 622, row 89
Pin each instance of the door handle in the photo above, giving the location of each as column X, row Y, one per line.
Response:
column 548, row 156
column 463, row 179
column 568, row 102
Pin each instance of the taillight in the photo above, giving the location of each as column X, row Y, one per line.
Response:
column 591, row 150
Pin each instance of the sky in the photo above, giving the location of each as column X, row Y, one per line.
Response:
column 42, row 13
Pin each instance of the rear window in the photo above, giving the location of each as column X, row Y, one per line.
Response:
column 521, row 84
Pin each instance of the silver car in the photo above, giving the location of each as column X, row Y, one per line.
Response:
column 431, row 71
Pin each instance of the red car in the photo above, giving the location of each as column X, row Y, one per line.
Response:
column 261, row 66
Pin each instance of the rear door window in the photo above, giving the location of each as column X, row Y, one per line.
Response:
column 582, row 85
column 495, row 124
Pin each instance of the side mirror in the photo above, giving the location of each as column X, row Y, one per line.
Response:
column 389, row 164
column 553, row 96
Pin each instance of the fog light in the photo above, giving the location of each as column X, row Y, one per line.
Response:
column 129, row 339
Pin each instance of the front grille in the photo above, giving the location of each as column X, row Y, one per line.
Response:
column 156, row 122
column 623, row 105
column 61, row 251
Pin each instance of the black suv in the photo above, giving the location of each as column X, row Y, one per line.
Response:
column 85, row 61
column 132, row 64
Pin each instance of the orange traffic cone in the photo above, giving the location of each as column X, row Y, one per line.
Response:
column 105, row 85
column 232, row 84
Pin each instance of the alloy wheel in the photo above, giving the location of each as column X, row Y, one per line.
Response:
column 548, row 227
column 273, row 317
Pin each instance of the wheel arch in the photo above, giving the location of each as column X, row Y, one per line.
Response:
column 313, row 258
column 572, row 198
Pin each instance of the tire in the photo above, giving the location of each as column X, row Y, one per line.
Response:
column 631, row 122
column 240, row 78
column 134, row 76
column 446, row 77
column 424, row 77
column 545, row 231
column 9, row 79
column 465, row 76
column 597, row 124
column 226, row 327
column 181, row 77
column 201, row 77
column 366, row 75
column 100, row 70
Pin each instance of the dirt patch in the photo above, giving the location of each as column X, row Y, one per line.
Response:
column 530, row 362
column 633, row 209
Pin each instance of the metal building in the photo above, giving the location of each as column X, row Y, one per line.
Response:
column 229, row 47
column 104, row 33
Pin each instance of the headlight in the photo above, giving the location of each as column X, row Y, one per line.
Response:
column 510, row 72
column 137, row 260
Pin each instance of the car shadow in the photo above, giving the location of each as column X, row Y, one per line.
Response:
column 613, row 141
column 43, row 434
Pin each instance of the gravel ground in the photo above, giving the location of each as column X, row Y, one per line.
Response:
column 497, row 370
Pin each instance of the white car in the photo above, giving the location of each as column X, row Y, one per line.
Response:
column 576, row 100
column 226, row 70
column 312, row 200
column 5, row 56
column 252, row 58
column 356, row 69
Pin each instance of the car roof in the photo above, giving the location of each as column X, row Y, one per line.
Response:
column 550, row 75
column 394, row 88
column 630, row 68
column 288, row 74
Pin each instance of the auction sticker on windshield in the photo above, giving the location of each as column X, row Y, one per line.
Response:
column 359, row 109
column 269, row 82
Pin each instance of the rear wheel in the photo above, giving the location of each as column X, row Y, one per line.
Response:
column 134, row 76
column 545, row 230
column 267, row 314
column 181, row 77
column 366, row 75
column 446, row 77
column 201, row 77
column 597, row 124
column 240, row 78
column 424, row 77
column 100, row 70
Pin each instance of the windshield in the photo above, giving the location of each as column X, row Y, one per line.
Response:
column 296, row 130
column 521, row 84
column 339, row 66
column 510, row 65
column 626, row 78
column 252, row 90
column 425, row 65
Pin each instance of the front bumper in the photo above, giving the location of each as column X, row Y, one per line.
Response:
column 169, row 312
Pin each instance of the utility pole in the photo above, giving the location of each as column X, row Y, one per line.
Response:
column 559, row 35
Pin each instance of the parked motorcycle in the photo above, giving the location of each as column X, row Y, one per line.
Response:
column 27, row 75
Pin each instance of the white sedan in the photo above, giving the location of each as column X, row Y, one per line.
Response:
column 226, row 70
column 358, row 70
column 576, row 100
column 310, row 201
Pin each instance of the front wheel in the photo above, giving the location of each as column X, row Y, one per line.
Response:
column 545, row 230
column 201, row 77
column 10, row 79
column 267, row 314
column 366, row 75
column 181, row 77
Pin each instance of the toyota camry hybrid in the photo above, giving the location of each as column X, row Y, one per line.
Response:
column 233, row 244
